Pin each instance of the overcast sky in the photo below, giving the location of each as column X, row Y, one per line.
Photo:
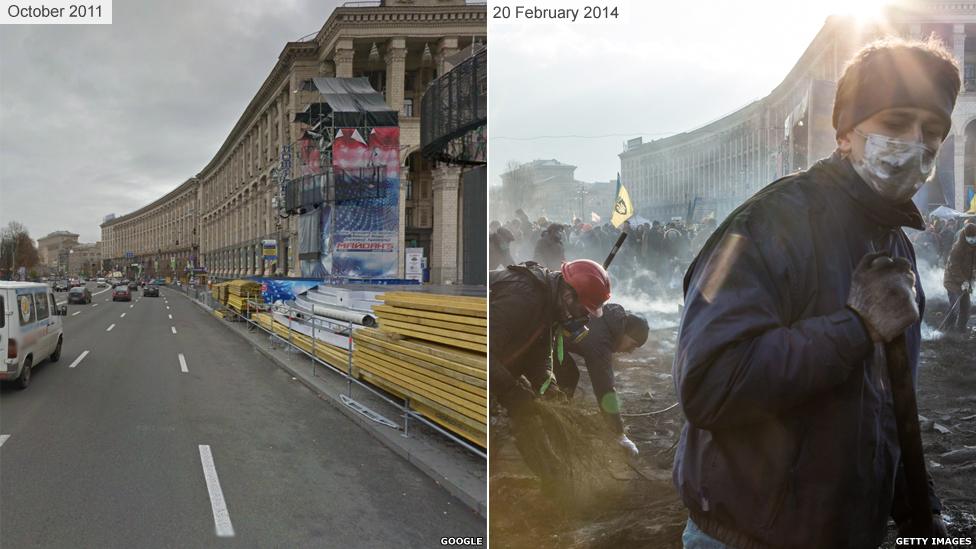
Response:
column 99, row 119
column 660, row 68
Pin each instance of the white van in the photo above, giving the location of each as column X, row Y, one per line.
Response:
column 30, row 329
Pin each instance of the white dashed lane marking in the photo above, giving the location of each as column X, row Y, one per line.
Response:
column 110, row 328
column 221, row 516
column 80, row 358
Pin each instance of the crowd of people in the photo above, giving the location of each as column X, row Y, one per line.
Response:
column 662, row 250
column 951, row 245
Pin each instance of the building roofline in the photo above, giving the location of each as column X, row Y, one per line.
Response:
column 155, row 203
column 831, row 25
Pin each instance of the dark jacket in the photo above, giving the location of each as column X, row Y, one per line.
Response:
column 522, row 304
column 597, row 350
column 499, row 252
column 961, row 265
column 791, row 438
column 549, row 250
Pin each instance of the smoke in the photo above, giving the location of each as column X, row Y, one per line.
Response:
column 931, row 279
column 641, row 293
column 929, row 333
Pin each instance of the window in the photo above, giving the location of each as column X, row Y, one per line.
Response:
column 25, row 306
column 408, row 107
column 42, row 308
column 3, row 313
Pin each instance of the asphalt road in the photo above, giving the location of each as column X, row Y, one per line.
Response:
column 113, row 452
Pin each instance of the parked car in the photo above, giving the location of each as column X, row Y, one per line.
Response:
column 30, row 329
column 150, row 291
column 79, row 294
column 121, row 293
column 61, row 286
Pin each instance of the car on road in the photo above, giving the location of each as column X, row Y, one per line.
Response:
column 61, row 286
column 30, row 329
column 74, row 283
column 133, row 285
column 150, row 291
column 79, row 294
column 121, row 293
column 102, row 283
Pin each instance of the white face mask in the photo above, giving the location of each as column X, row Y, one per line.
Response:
column 893, row 168
column 971, row 241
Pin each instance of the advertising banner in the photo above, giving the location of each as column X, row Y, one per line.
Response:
column 413, row 257
column 365, row 223
column 269, row 249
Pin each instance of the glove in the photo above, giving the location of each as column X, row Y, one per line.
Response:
column 883, row 295
column 519, row 401
column 628, row 445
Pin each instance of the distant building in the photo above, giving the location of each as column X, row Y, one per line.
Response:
column 549, row 188
column 60, row 252
column 719, row 165
column 52, row 248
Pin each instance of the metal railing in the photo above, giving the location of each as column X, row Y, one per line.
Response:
column 203, row 296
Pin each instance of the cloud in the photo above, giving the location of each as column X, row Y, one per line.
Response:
column 98, row 119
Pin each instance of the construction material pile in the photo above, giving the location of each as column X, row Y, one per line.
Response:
column 336, row 356
column 432, row 350
column 239, row 292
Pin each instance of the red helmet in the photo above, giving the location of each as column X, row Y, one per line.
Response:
column 591, row 283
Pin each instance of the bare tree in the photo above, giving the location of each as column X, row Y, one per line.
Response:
column 17, row 249
column 518, row 186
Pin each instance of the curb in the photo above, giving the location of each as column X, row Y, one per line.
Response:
column 385, row 435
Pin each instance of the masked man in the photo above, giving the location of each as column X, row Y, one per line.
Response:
column 791, row 438
column 532, row 311
column 959, row 277
column 617, row 331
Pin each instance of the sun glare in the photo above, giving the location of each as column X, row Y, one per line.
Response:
column 865, row 11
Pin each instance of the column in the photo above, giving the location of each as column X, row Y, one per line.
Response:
column 959, row 49
column 444, row 243
column 959, row 171
column 342, row 58
column 396, row 62
column 402, row 212
column 446, row 47
column 915, row 31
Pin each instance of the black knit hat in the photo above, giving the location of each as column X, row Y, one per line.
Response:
column 636, row 327
column 894, row 73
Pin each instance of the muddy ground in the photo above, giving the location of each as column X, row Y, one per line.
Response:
column 640, row 507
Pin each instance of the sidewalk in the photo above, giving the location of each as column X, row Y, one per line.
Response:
column 460, row 472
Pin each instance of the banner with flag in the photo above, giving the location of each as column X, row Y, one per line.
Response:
column 622, row 207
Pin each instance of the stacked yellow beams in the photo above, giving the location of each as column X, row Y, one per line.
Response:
column 239, row 291
column 336, row 356
column 430, row 349
column 446, row 319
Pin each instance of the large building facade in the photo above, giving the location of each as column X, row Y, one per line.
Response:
column 217, row 220
column 714, row 168
column 549, row 188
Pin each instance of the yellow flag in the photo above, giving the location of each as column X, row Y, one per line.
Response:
column 622, row 207
column 972, row 206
